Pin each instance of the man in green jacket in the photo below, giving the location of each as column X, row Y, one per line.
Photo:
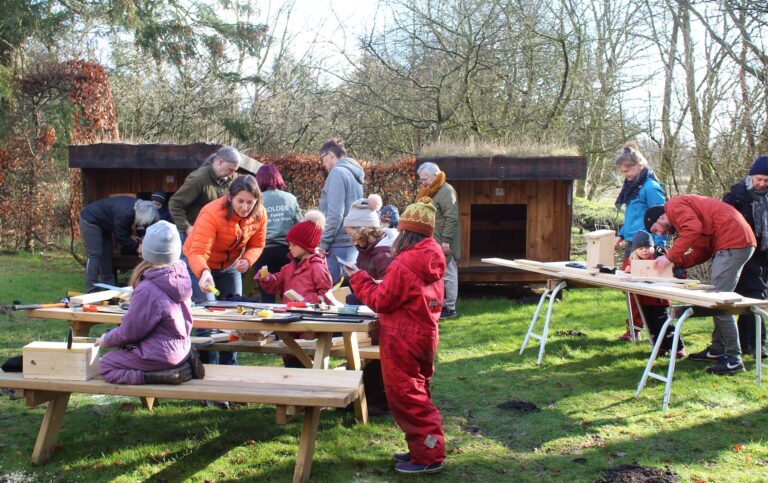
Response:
column 447, row 232
column 207, row 183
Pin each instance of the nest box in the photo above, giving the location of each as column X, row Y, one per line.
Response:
column 600, row 248
column 52, row 360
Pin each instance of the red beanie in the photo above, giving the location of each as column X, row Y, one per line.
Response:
column 307, row 233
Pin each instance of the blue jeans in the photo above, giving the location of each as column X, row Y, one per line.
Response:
column 348, row 254
column 228, row 282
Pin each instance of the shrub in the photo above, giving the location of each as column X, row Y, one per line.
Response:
column 593, row 215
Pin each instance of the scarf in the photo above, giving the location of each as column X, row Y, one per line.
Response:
column 759, row 212
column 631, row 188
column 430, row 190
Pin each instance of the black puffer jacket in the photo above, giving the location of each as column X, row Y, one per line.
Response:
column 114, row 215
column 754, row 275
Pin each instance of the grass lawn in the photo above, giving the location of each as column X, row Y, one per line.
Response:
column 589, row 420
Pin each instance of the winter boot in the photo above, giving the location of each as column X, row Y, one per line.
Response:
column 195, row 364
column 170, row 376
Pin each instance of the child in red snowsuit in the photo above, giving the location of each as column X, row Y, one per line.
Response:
column 409, row 300
column 306, row 273
column 654, row 309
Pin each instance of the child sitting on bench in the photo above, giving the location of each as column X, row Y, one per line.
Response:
column 409, row 301
column 153, row 338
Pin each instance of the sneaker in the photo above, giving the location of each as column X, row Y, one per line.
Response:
column 706, row 355
column 414, row 469
column 628, row 336
column 402, row 457
column 681, row 353
column 750, row 351
column 727, row 365
column 448, row 314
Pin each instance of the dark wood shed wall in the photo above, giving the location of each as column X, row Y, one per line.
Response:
column 102, row 183
column 548, row 221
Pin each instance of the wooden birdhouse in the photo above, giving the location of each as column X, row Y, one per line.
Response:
column 600, row 248
column 52, row 360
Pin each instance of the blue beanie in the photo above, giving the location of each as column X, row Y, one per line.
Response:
column 393, row 213
column 760, row 166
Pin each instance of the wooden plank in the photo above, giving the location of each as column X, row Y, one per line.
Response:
column 557, row 269
column 306, row 445
column 646, row 268
column 295, row 348
column 322, row 351
column 96, row 297
column 50, row 428
column 36, row 398
column 204, row 323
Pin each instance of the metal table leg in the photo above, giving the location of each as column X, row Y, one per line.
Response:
column 542, row 338
column 672, row 356
column 760, row 316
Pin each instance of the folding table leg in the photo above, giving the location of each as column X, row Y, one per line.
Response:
column 672, row 357
column 630, row 318
column 642, row 318
column 760, row 316
column 552, row 295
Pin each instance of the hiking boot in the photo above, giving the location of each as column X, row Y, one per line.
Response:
column 706, row 355
column 402, row 457
column 448, row 314
column 414, row 469
column 727, row 365
column 195, row 364
column 170, row 376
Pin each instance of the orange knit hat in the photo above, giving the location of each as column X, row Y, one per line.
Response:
column 307, row 233
column 419, row 217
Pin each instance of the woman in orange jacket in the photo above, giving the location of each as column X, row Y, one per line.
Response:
column 227, row 238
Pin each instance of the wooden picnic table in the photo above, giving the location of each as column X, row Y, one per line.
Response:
column 82, row 322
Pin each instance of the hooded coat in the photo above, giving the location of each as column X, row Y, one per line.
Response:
column 343, row 186
column 705, row 226
column 155, row 329
column 309, row 277
column 114, row 215
column 409, row 301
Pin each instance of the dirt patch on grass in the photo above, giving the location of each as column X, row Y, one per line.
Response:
column 519, row 406
column 638, row 474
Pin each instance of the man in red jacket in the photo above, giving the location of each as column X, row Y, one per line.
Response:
column 708, row 228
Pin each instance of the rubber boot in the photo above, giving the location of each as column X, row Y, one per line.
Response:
column 195, row 364
column 170, row 376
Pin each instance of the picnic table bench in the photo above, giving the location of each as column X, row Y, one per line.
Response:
column 311, row 389
column 82, row 322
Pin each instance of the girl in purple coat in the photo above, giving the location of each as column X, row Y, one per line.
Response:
column 153, row 338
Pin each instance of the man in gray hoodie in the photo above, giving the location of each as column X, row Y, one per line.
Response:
column 343, row 186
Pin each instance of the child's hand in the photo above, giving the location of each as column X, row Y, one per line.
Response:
column 350, row 269
column 99, row 341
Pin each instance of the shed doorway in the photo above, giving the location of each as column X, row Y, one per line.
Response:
column 498, row 231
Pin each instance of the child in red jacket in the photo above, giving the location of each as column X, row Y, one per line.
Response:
column 654, row 309
column 409, row 301
column 306, row 273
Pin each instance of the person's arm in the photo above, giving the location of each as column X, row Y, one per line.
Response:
column 384, row 297
column 451, row 215
column 321, row 280
column 140, row 320
column 255, row 245
column 201, row 243
column 689, row 227
column 334, row 216
column 122, row 229
column 180, row 202
column 273, row 282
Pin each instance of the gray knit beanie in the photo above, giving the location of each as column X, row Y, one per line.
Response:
column 161, row 245
column 364, row 213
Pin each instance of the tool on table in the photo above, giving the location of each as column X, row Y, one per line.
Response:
column 606, row 268
column 85, row 339
column 89, row 308
column 575, row 265
column 40, row 306
column 70, row 338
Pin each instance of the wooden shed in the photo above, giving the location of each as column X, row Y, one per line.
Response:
column 512, row 207
column 139, row 169
column 110, row 169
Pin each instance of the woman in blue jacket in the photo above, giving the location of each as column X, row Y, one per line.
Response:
column 641, row 190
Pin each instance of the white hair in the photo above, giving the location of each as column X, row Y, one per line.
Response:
column 429, row 168
column 145, row 213
column 228, row 154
